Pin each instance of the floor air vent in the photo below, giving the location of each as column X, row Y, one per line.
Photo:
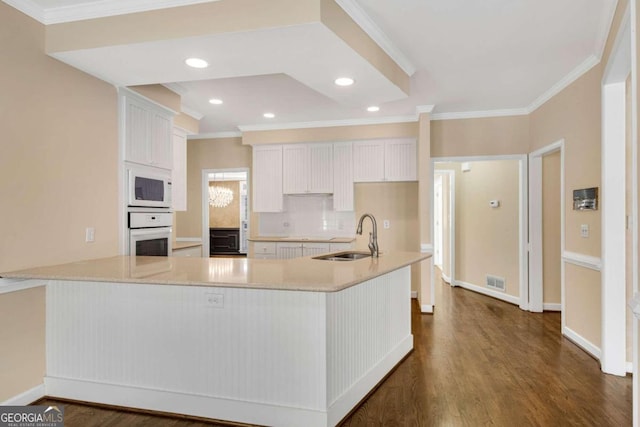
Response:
column 495, row 282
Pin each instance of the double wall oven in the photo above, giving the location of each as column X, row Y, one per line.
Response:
column 149, row 219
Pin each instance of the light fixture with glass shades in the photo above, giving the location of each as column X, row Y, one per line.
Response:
column 344, row 81
column 220, row 197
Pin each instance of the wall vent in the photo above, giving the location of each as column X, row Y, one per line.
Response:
column 497, row 283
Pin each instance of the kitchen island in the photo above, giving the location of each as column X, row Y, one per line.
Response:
column 271, row 342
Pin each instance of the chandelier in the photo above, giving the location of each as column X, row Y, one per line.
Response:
column 220, row 197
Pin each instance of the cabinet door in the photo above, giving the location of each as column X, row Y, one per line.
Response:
column 400, row 160
column 342, row 177
column 315, row 249
column 295, row 169
column 161, row 141
column 368, row 161
column 320, row 168
column 289, row 250
column 137, row 128
column 267, row 178
column 179, row 171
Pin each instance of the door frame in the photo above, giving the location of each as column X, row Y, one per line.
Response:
column 437, row 216
column 523, row 178
column 536, row 270
column 206, row 249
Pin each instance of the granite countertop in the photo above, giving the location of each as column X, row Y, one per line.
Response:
column 297, row 274
column 303, row 239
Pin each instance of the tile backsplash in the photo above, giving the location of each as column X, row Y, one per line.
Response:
column 308, row 216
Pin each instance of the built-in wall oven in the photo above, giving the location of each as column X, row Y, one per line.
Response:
column 150, row 232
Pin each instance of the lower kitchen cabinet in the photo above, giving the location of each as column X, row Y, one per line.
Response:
column 190, row 252
column 287, row 250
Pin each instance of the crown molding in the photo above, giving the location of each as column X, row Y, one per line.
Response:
column 363, row 20
column 99, row 9
column 191, row 112
column 176, row 88
column 480, row 114
column 605, row 28
column 329, row 123
column 420, row 109
column 573, row 75
column 216, row 135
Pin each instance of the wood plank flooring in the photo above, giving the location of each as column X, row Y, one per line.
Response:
column 477, row 362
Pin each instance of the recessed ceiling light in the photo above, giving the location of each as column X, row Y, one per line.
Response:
column 196, row 63
column 373, row 109
column 344, row 81
column 269, row 115
column 215, row 101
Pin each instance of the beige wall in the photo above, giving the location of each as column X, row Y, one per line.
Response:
column 490, row 136
column 487, row 238
column 58, row 175
column 186, row 122
column 228, row 216
column 551, row 245
column 397, row 202
column 223, row 153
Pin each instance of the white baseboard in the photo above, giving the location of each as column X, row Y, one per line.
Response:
column 426, row 308
column 414, row 294
column 489, row 292
column 582, row 342
column 446, row 278
column 629, row 368
column 551, row 306
column 27, row 397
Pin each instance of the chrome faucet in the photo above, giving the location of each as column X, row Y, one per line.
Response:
column 373, row 237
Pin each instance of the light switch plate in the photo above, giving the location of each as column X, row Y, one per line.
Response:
column 90, row 235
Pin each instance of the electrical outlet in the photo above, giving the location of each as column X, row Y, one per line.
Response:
column 386, row 224
column 584, row 230
column 90, row 235
column 214, row 300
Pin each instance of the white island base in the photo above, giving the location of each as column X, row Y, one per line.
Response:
column 258, row 356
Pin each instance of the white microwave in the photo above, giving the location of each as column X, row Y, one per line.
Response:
column 148, row 188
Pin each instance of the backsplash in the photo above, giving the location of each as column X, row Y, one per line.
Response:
column 308, row 216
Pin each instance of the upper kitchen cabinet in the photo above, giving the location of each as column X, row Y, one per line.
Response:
column 307, row 168
column 148, row 132
column 179, row 170
column 385, row 160
column 267, row 178
column 342, row 176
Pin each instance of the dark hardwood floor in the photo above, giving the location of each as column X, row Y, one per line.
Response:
column 477, row 361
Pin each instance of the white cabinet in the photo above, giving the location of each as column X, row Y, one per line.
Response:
column 148, row 132
column 179, row 171
column 289, row 250
column 264, row 250
column 267, row 178
column 385, row 160
column 315, row 248
column 342, row 176
column 307, row 168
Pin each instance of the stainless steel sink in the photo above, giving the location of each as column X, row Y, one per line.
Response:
column 343, row 256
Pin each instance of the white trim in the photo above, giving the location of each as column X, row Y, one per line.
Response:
column 581, row 342
column 551, row 306
column 414, row 294
column 97, row 9
column 563, row 83
column 176, row 87
column 426, row 248
column 27, row 397
column 191, row 112
column 586, row 261
column 15, row 285
column 536, row 291
column 424, row 109
column 480, row 114
column 216, row 135
column 446, row 278
column 605, row 29
column 125, row 91
column 629, row 368
column 462, row 159
column 189, row 239
column 426, row 308
column 489, row 292
column 329, row 123
column 362, row 19
column 523, row 228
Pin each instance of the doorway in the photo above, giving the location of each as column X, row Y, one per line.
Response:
column 225, row 212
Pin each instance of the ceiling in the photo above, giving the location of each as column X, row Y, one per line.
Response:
column 467, row 58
